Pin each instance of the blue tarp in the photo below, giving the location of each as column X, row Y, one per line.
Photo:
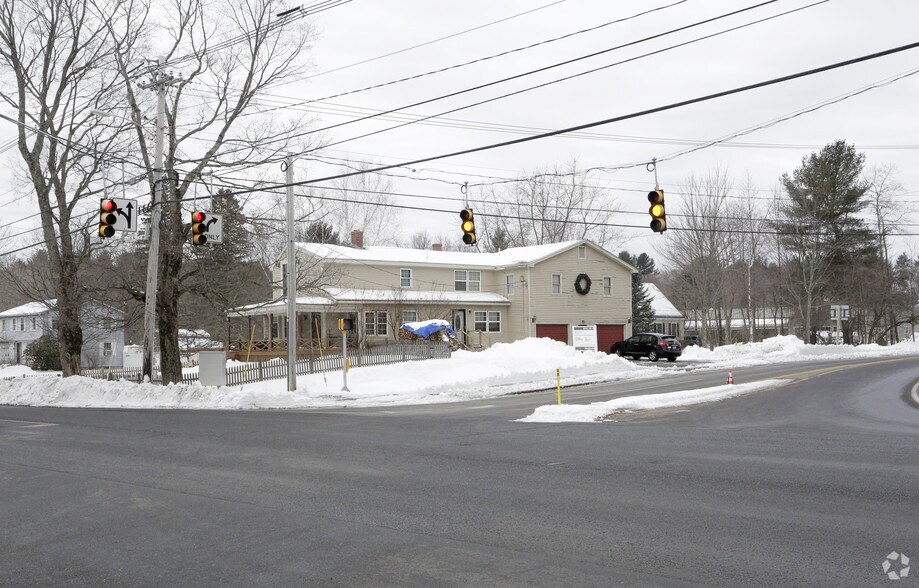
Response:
column 427, row 330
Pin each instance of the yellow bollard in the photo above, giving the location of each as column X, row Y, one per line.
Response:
column 558, row 379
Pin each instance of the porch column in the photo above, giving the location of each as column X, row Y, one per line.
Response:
column 323, row 331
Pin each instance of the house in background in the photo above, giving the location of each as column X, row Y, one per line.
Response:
column 539, row 291
column 667, row 319
column 103, row 332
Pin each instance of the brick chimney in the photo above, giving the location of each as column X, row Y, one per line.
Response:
column 437, row 247
column 357, row 239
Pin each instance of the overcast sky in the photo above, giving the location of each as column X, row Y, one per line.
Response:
column 883, row 122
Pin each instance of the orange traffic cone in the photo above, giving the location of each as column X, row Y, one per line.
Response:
column 730, row 377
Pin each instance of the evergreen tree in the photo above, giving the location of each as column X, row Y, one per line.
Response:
column 320, row 232
column 642, row 309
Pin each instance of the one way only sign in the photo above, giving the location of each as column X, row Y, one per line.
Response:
column 126, row 214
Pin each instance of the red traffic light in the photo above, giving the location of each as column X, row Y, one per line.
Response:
column 198, row 228
column 107, row 217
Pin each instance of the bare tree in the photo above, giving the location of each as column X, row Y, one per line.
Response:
column 548, row 206
column 213, row 93
column 361, row 203
column 701, row 254
column 56, row 67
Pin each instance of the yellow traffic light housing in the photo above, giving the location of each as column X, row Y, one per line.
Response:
column 107, row 217
column 198, row 228
column 468, row 226
column 657, row 211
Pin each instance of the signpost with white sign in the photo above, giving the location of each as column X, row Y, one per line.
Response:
column 214, row 225
column 126, row 214
column 584, row 337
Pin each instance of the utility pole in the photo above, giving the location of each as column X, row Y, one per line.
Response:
column 159, row 83
column 291, row 280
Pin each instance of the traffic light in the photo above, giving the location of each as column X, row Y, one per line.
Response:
column 468, row 226
column 198, row 228
column 345, row 324
column 657, row 212
column 107, row 217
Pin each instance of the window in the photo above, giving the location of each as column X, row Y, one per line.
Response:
column 556, row 283
column 607, row 286
column 405, row 278
column 467, row 281
column 659, row 327
column 375, row 323
column 3, row 324
column 582, row 252
column 409, row 316
column 107, row 349
column 107, row 323
column 488, row 321
column 674, row 330
column 509, row 284
column 34, row 319
column 22, row 324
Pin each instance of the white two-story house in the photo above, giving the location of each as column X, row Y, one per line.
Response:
column 103, row 332
column 539, row 291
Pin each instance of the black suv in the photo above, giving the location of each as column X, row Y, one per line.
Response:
column 651, row 345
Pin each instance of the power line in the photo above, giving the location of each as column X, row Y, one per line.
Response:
column 551, row 82
column 546, row 68
column 426, row 43
column 633, row 115
column 473, row 61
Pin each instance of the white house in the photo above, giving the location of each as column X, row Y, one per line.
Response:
column 667, row 319
column 539, row 291
column 103, row 332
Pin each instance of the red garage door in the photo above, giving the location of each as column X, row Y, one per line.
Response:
column 557, row 332
column 609, row 334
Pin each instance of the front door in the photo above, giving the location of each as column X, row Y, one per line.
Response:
column 18, row 352
column 459, row 325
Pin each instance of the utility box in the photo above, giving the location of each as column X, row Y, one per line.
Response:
column 212, row 368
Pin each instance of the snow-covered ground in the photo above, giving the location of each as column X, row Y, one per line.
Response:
column 585, row 413
column 502, row 369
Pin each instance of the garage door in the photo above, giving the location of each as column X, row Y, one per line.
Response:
column 609, row 334
column 557, row 332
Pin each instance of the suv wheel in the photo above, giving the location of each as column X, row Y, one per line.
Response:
column 618, row 351
column 652, row 355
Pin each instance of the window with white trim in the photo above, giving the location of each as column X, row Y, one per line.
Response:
column 409, row 316
column 487, row 321
column 3, row 324
column 556, row 283
column 375, row 323
column 22, row 324
column 34, row 323
column 582, row 252
column 607, row 286
column 509, row 284
column 107, row 349
column 467, row 281
column 405, row 277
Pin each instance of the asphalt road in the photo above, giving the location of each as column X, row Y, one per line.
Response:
column 812, row 483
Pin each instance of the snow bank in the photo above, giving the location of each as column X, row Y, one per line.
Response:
column 790, row 348
column 586, row 413
column 525, row 365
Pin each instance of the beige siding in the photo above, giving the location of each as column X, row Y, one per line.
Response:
column 571, row 308
column 532, row 294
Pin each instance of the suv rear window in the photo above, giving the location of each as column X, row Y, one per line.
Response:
column 670, row 339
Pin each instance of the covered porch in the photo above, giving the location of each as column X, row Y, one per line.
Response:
column 259, row 331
